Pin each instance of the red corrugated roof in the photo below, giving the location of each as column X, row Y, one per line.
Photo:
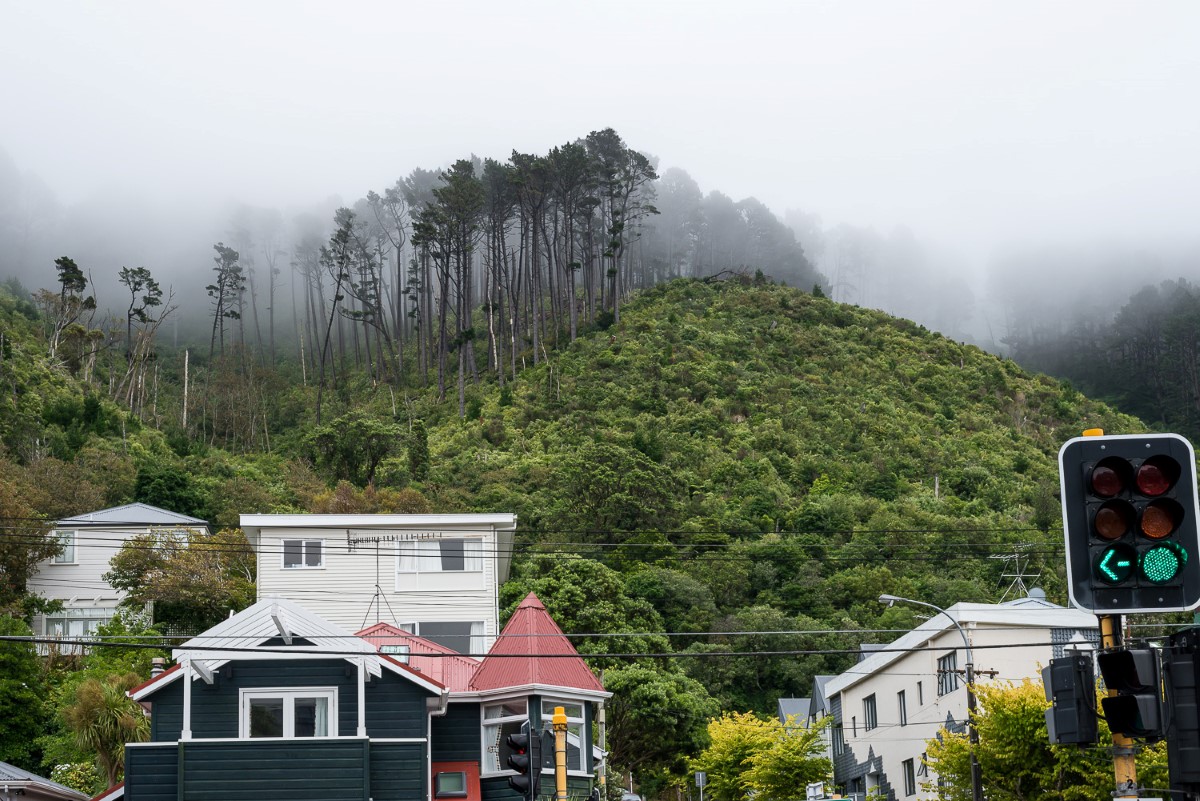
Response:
column 436, row 662
column 153, row 680
column 533, row 650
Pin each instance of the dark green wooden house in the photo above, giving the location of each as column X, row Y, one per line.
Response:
column 276, row 704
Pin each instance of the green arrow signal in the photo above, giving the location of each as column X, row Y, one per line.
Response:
column 1116, row 563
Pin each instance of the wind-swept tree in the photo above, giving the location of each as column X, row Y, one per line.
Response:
column 65, row 309
column 624, row 177
column 139, row 282
column 449, row 229
column 225, row 292
column 336, row 259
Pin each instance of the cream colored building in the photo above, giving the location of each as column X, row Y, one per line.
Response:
column 436, row 576
column 889, row 705
column 87, row 544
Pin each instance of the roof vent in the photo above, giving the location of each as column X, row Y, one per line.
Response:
column 1037, row 594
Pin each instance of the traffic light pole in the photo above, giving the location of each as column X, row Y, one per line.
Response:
column 559, row 722
column 1124, row 765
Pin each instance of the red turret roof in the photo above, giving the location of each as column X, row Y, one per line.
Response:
column 533, row 650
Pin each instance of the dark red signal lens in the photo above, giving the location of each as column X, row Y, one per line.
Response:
column 1106, row 481
column 1157, row 475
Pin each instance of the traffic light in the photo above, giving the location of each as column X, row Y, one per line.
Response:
column 1137, row 709
column 1070, row 684
column 1181, row 658
column 526, row 759
column 1130, row 523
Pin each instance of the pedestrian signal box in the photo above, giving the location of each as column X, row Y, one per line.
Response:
column 1130, row 523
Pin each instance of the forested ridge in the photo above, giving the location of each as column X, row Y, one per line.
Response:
column 715, row 474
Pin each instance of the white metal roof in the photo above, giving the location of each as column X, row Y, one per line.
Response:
column 253, row 524
column 132, row 515
column 1030, row 612
column 244, row 636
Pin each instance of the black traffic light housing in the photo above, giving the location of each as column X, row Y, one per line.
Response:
column 1130, row 523
column 1181, row 678
column 1137, row 709
column 526, row 760
column 1070, row 684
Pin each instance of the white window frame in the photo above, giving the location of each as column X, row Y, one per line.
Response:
column 69, row 540
column 58, row 624
column 575, row 725
column 490, row 731
column 289, row 696
column 425, row 556
column 304, row 546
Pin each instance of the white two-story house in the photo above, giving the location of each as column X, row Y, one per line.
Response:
column 75, row 575
column 435, row 576
column 889, row 705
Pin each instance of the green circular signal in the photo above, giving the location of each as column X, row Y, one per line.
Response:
column 1163, row 562
column 1116, row 563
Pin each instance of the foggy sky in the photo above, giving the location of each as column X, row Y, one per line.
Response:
column 975, row 124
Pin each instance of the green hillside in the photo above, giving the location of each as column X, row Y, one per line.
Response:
column 732, row 469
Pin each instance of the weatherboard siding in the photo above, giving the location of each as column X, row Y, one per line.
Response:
column 457, row 734
column 395, row 706
column 151, row 772
column 288, row 770
column 343, row 590
column 398, row 772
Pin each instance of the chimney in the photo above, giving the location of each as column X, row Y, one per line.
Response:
column 157, row 666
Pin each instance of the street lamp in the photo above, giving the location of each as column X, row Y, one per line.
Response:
column 972, row 732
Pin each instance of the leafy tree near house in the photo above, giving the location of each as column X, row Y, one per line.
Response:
column 70, row 757
column 657, row 719
column 752, row 756
column 21, row 694
column 193, row 582
column 1017, row 760
column 103, row 719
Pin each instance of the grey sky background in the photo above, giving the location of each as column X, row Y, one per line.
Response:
column 975, row 124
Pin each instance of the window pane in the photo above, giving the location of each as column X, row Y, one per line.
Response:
column 570, row 710
column 507, row 709
column 292, row 550
column 498, row 743
column 67, row 540
column 452, row 784
column 311, row 717
column 266, row 717
column 473, row 549
column 453, row 635
column 312, row 553
column 453, row 557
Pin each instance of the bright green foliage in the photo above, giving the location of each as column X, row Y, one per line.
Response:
column 103, row 719
column 583, row 596
column 749, row 755
column 1018, row 762
column 21, row 693
column 60, row 746
column 604, row 489
column 168, row 487
column 657, row 718
column 351, row 447
column 418, row 451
